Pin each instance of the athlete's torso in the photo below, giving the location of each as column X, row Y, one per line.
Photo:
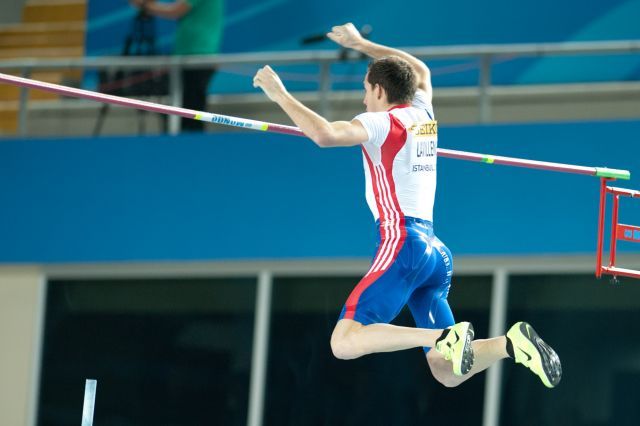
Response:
column 400, row 161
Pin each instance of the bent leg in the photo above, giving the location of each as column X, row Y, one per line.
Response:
column 430, row 309
column 487, row 352
column 351, row 339
column 363, row 327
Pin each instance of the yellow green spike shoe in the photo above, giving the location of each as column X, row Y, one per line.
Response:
column 455, row 345
column 532, row 352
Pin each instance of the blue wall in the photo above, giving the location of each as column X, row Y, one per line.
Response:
column 255, row 196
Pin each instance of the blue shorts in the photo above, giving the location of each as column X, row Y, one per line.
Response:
column 410, row 268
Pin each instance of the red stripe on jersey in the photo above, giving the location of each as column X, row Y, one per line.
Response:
column 385, row 194
column 392, row 145
column 396, row 139
column 391, row 224
column 383, row 212
column 374, row 183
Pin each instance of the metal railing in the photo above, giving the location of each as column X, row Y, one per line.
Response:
column 486, row 56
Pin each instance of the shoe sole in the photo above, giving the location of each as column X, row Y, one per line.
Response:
column 545, row 357
column 465, row 363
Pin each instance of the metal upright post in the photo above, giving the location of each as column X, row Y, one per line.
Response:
column 325, row 88
column 485, row 84
column 260, row 350
column 175, row 94
column 23, row 110
column 89, row 402
column 614, row 226
column 497, row 326
column 601, row 218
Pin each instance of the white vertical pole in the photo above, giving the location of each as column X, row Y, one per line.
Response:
column 89, row 402
column 485, row 85
column 260, row 350
column 38, row 344
column 497, row 327
column 325, row 88
column 23, row 110
column 175, row 94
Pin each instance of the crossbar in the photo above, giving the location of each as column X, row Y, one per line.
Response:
column 226, row 120
column 623, row 191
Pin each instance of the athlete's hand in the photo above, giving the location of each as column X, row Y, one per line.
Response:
column 346, row 36
column 270, row 83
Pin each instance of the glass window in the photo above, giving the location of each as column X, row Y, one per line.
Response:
column 593, row 325
column 308, row 386
column 164, row 352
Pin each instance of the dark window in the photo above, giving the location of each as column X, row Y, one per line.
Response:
column 308, row 386
column 164, row 352
column 593, row 325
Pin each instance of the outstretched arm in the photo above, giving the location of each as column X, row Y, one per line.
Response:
column 316, row 127
column 348, row 36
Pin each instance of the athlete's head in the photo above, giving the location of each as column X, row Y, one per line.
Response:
column 395, row 76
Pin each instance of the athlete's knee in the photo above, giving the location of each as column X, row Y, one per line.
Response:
column 448, row 380
column 442, row 370
column 345, row 346
column 344, row 343
column 342, row 349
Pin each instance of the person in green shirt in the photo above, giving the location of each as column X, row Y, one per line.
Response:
column 199, row 32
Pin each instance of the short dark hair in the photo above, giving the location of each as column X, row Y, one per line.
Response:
column 396, row 76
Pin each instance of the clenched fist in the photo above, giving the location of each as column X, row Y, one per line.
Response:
column 269, row 81
column 346, row 36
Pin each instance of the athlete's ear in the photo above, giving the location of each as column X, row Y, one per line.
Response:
column 378, row 89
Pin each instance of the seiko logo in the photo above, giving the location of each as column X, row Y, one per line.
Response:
column 430, row 128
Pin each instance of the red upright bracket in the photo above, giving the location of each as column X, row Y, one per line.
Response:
column 619, row 231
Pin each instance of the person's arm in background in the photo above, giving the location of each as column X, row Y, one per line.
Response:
column 348, row 36
column 173, row 10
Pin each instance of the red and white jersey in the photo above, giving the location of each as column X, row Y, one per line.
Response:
column 400, row 161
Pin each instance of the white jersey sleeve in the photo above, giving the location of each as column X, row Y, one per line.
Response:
column 377, row 125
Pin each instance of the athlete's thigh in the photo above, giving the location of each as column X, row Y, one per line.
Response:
column 378, row 298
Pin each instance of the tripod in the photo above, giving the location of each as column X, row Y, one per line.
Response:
column 141, row 41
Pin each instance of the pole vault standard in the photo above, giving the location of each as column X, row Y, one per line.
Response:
column 619, row 231
column 226, row 120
